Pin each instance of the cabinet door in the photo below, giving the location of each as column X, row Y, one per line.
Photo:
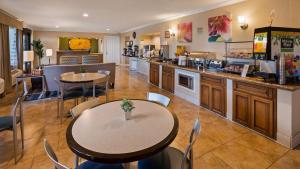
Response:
column 205, row 99
column 218, row 100
column 154, row 74
column 241, row 108
column 262, row 115
column 151, row 73
column 164, row 83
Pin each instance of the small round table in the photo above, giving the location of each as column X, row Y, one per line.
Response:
column 82, row 78
column 102, row 134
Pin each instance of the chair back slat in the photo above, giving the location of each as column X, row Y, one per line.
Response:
column 188, row 154
column 52, row 156
column 164, row 100
column 77, row 110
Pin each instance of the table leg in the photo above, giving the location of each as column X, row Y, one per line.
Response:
column 126, row 165
column 94, row 92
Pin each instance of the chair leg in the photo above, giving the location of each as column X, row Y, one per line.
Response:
column 58, row 109
column 61, row 110
column 76, row 161
column 15, row 143
column 22, row 134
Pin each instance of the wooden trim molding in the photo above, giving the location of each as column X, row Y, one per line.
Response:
column 8, row 19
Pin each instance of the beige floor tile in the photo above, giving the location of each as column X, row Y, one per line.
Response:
column 260, row 143
column 240, row 157
column 210, row 161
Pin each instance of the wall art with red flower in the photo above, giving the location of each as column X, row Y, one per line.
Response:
column 185, row 32
column 219, row 29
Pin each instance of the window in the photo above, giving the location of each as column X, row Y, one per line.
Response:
column 13, row 47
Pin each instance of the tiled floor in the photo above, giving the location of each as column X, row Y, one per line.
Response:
column 222, row 144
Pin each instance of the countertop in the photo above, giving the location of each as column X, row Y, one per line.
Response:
column 254, row 80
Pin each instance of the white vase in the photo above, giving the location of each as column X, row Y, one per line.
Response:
column 127, row 115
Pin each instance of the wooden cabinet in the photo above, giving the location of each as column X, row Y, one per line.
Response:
column 168, row 78
column 204, row 94
column 262, row 115
column 213, row 94
column 253, row 106
column 241, row 107
column 154, row 74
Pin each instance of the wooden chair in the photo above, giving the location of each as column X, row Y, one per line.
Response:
column 64, row 94
column 77, row 110
column 164, row 100
column 84, row 165
column 173, row 158
column 101, row 86
column 11, row 122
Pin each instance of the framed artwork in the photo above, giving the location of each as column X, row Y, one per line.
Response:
column 167, row 34
column 185, row 31
column 219, row 29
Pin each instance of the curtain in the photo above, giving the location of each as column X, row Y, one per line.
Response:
column 5, row 69
column 20, row 48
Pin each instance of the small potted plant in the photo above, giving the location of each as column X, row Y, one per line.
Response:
column 82, row 71
column 127, row 106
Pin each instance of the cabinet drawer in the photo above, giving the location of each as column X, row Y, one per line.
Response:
column 212, row 80
column 253, row 89
column 167, row 69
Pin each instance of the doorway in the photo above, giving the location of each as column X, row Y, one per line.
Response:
column 111, row 49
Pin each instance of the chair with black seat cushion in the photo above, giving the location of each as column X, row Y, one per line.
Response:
column 172, row 158
column 156, row 97
column 84, row 165
column 101, row 86
column 67, row 93
column 11, row 122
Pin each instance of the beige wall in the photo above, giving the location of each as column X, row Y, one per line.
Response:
column 50, row 40
column 256, row 11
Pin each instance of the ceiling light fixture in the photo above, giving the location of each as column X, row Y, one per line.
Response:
column 107, row 29
column 85, row 15
column 56, row 26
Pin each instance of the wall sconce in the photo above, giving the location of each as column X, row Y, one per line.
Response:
column 243, row 22
column 172, row 32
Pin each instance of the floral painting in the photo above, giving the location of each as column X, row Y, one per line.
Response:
column 185, row 32
column 219, row 29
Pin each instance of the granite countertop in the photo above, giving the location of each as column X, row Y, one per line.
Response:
column 254, row 80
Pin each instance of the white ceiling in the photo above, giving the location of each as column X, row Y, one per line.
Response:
column 118, row 15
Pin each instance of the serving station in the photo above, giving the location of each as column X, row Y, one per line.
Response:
column 260, row 94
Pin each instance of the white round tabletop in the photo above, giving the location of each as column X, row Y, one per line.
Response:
column 81, row 77
column 102, row 134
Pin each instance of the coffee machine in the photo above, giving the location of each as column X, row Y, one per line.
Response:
column 279, row 46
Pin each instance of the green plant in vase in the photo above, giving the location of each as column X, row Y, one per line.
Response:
column 127, row 106
column 82, row 70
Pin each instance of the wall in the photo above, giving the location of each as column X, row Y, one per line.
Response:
column 50, row 40
column 256, row 11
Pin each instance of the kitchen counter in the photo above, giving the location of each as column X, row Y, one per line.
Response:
column 254, row 80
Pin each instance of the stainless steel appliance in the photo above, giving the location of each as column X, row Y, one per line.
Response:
column 186, row 81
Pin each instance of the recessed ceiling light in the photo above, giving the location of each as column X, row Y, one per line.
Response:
column 107, row 29
column 85, row 15
column 57, row 26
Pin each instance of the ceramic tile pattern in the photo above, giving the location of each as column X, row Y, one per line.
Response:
column 222, row 144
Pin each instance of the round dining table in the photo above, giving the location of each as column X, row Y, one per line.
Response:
column 102, row 134
column 82, row 78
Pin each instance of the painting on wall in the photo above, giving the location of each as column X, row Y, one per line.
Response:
column 219, row 29
column 185, row 32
